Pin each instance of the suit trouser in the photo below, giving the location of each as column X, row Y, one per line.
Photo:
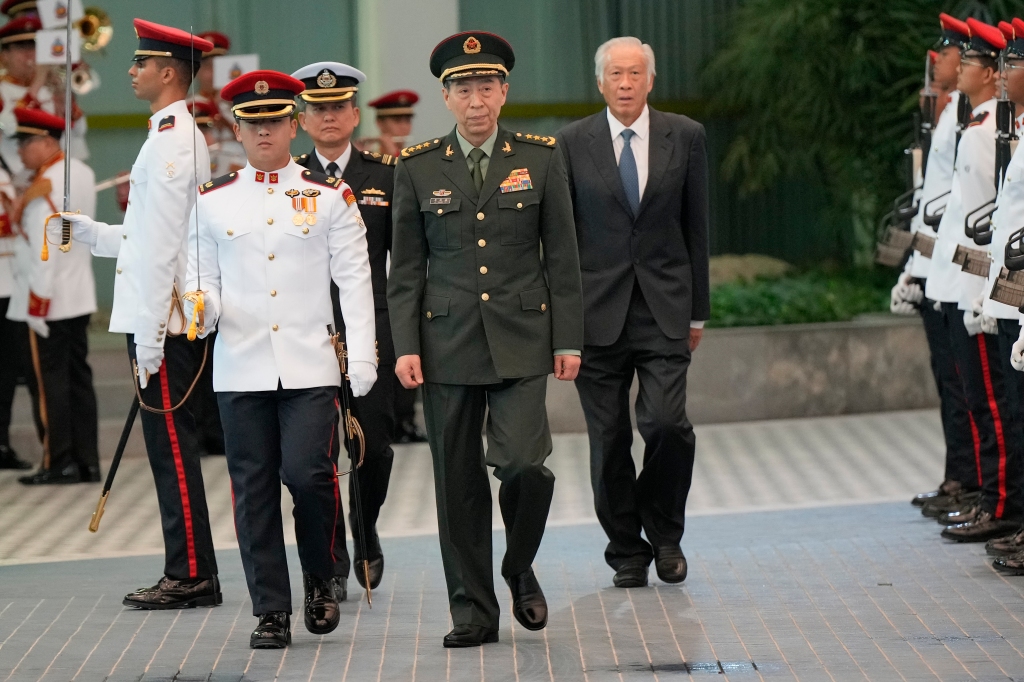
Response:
column 405, row 402
column 72, row 426
column 518, row 443
column 956, row 419
column 173, row 449
column 986, row 390
column 15, row 363
column 654, row 501
column 203, row 405
column 275, row 437
column 1009, row 331
column 375, row 412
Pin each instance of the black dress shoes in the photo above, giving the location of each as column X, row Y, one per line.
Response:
column 954, row 518
column 1011, row 565
column 340, row 587
column 68, row 474
column 376, row 572
column 631, row 575
column 670, row 564
column 89, row 474
column 463, row 636
column 9, row 459
column 176, row 594
column 528, row 603
column 1006, row 545
column 943, row 493
column 321, row 613
column 983, row 527
column 273, row 632
column 957, row 502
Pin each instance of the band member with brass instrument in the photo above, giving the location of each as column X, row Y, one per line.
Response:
column 150, row 251
column 329, row 114
column 55, row 298
column 264, row 245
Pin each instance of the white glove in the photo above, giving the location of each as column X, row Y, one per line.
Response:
column 1017, row 354
column 211, row 312
column 937, row 306
column 38, row 325
column 361, row 375
column 902, row 283
column 83, row 228
column 973, row 322
column 897, row 304
column 913, row 293
column 148, row 359
column 989, row 325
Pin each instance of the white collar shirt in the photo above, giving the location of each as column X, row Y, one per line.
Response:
column 342, row 160
column 640, row 144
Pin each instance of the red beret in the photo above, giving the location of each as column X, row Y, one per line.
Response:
column 985, row 40
column 262, row 89
column 933, row 56
column 38, row 122
column 12, row 8
column 1007, row 30
column 203, row 111
column 19, row 30
column 954, row 32
column 395, row 103
column 951, row 23
column 156, row 40
column 221, row 43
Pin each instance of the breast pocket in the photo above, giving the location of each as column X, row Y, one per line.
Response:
column 230, row 234
column 137, row 184
column 520, row 217
column 443, row 223
column 305, row 230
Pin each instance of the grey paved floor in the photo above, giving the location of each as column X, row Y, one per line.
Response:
column 862, row 592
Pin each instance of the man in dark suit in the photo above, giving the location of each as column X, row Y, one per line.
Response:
column 639, row 180
column 330, row 116
column 477, row 207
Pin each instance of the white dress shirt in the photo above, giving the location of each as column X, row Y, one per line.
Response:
column 938, row 178
column 640, row 144
column 1005, row 221
column 342, row 160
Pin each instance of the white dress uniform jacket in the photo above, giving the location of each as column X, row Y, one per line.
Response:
column 973, row 186
column 938, row 177
column 270, row 277
column 150, row 245
column 1009, row 217
column 66, row 278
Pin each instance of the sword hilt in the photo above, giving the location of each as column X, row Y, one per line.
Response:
column 65, row 235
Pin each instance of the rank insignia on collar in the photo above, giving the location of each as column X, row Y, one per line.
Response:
column 442, row 192
column 260, row 175
column 373, row 190
column 449, row 152
column 166, row 123
column 507, row 148
column 273, row 178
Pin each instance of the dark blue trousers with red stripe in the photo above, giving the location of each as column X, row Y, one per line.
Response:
column 996, row 427
column 173, row 449
column 270, row 438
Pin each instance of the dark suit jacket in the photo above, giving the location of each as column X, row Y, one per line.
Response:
column 372, row 178
column 665, row 248
column 492, row 308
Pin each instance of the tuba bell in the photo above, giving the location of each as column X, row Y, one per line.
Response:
column 95, row 29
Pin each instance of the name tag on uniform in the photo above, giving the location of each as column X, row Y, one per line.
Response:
column 517, row 181
column 441, row 200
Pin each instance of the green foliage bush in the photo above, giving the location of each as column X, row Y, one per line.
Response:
column 818, row 295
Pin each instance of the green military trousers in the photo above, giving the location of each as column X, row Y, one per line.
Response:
column 518, row 443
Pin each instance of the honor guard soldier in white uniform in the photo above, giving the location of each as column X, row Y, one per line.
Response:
column 150, row 251
column 55, row 298
column 330, row 115
column 265, row 243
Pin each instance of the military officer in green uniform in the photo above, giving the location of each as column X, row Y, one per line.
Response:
column 488, row 212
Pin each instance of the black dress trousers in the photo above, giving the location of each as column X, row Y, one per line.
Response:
column 72, row 426
column 956, row 418
column 275, row 437
column 986, row 389
column 1009, row 332
column 15, row 363
column 654, row 501
column 173, row 449
column 203, row 405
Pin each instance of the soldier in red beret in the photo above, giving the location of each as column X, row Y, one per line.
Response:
column 394, row 121
column 150, row 251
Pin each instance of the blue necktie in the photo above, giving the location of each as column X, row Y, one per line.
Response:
column 628, row 173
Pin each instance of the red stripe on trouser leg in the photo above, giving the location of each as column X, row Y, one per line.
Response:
column 179, row 467
column 998, row 422
column 977, row 446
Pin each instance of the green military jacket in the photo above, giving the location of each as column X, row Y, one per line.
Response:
column 484, row 286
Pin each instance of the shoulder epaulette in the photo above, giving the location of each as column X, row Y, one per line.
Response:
column 542, row 140
column 300, row 158
column 166, row 123
column 322, row 179
column 978, row 120
column 217, row 183
column 384, row 159
column 420, row 148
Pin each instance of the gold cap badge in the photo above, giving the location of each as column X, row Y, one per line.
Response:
column 471, row 46
column 262, row 88
column 326, row 79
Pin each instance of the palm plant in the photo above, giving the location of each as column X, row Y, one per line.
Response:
column 827, row 87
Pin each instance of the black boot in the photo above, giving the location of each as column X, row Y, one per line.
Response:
column 273, row 632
